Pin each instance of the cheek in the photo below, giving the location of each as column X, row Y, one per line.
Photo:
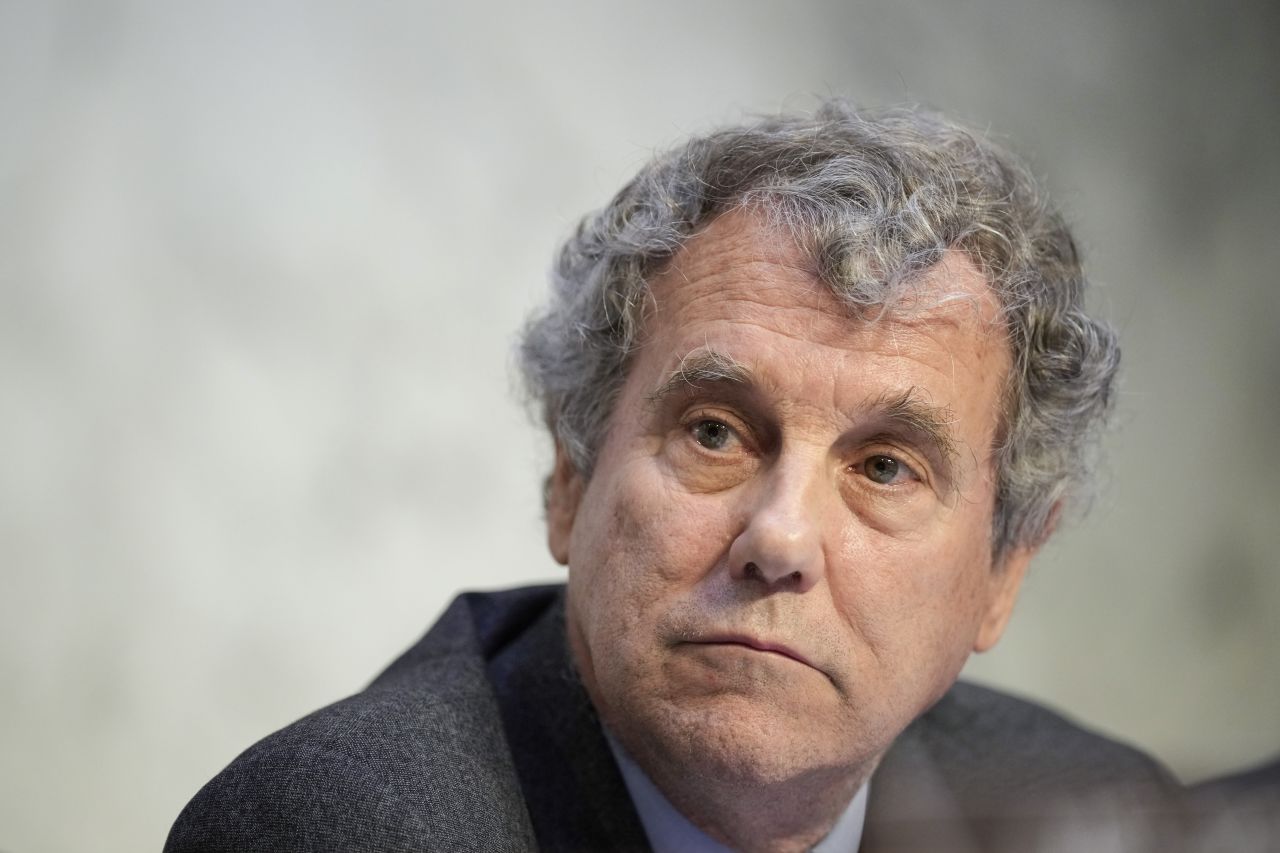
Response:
column 638, row 543
column 917, row 604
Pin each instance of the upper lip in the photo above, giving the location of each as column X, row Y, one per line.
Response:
column 756, row 643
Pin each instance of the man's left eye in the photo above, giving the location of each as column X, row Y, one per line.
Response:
column 884, row 470
column 712, row 435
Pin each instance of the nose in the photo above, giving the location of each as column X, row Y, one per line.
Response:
column 781, row 545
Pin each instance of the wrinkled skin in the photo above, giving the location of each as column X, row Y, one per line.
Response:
column 772, row 574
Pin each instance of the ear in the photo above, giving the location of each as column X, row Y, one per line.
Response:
column 1006, row 578
column 1002, row 592
column 564, row 493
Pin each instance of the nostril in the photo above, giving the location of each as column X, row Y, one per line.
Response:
column 752, row 571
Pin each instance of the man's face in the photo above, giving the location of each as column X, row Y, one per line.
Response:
column 783, row 553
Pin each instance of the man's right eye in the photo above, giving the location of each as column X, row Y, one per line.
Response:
column 713, row 435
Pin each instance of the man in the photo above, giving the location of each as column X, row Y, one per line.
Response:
column 819, row 389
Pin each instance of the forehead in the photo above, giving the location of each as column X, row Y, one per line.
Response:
column 739, row 269
column 749, row 295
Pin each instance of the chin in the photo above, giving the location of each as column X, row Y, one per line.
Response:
column 734, row 741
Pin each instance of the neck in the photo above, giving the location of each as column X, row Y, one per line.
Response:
column 755, row 815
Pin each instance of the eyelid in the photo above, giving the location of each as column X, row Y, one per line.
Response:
column 699, row 414
column 917, row 470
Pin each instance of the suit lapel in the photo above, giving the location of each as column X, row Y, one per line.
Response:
column 576, row 797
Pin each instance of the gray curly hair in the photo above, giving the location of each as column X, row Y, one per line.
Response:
column 876, row 198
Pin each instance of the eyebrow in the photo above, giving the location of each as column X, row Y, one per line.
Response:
column 930, row 424
column 701, row 367
column 902, row 411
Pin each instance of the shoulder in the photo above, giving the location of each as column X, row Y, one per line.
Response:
column 979, row 730
column 373, row 773
column 418, row 761
column 1008, row 774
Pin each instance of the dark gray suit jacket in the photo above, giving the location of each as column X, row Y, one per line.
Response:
column 481, row 737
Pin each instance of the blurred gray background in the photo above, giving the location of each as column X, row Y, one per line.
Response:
column 261, row 265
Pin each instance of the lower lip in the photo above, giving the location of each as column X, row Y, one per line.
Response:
column 751, row 648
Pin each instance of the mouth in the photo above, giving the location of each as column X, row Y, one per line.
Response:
column 755, row 644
